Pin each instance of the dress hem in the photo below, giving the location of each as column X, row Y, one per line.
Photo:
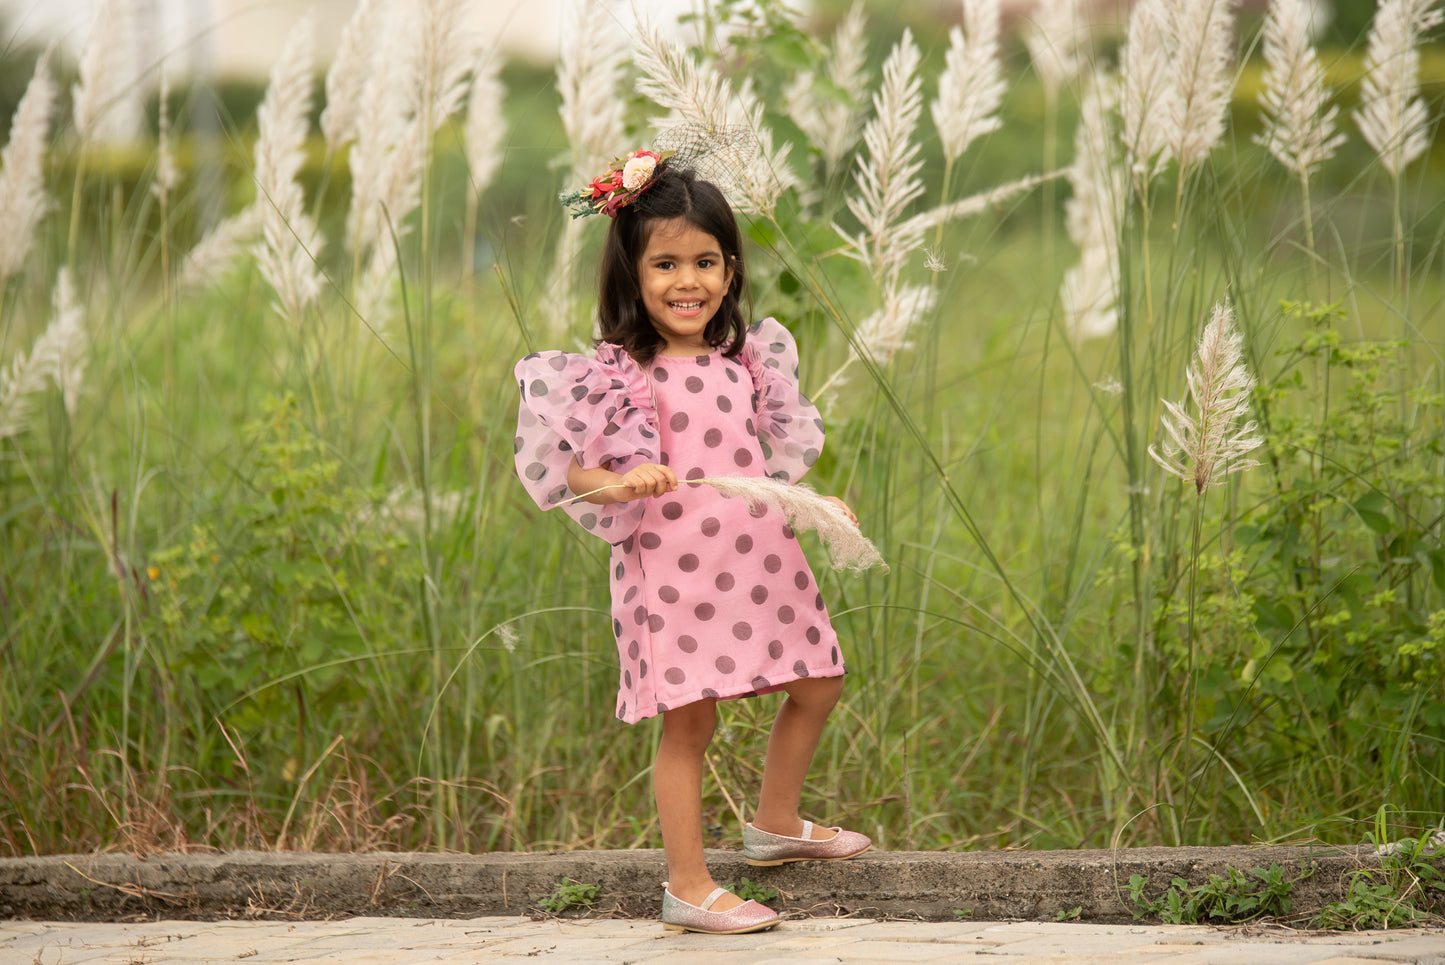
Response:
column 838, row 671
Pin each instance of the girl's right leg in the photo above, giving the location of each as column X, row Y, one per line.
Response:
column 677, row 786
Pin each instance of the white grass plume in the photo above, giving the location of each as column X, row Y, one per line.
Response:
column 1054, row 34
column 1299, row 123
column 208, row 262
column 73, row 343
column 450, row 47
column 290, row 240
column 971, row 87
column 887, row 174
column 1146, row 102
column 701, row 98
column 1094, row 215
column 350, row 67
column 591, row 68
column 58, row 356
column 831, row 126
column 1207, row 446
column 1203, row 54
column 167, row 173
column 914, row 228
column 486, row 126
column 23, row 198
column 418, row 80
column 389, row 103
column 804, row 509
column 884, row 333
column 1392, row 116
column 106, row 100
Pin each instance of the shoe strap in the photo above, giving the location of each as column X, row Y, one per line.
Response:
column 807, row 834
column 711, row 899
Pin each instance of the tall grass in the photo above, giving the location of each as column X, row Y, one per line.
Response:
column 268, row 580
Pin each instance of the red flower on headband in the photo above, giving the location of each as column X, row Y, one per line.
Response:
column 625, row 178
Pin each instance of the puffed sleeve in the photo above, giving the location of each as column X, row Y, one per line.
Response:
column 596, row 410
column 789, row 427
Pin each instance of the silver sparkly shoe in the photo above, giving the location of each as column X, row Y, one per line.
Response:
column 678, row 915
column 764, row 849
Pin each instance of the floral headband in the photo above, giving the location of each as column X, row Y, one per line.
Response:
column 626, row 178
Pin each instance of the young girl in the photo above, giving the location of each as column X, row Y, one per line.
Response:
column 710, row 601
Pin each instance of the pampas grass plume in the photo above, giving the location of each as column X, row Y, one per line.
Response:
column 702, row 99
column 1203, row 53
column 106, row 99
column 57, row 356
column 887, row 176
column 1147, row 95
column 1205, row 447
column 349, row 70
column 1299, row 130
column 971, row 87
column 1054, row 34
column 1093, row 216
column 486, row 126
column 23, row 200
column 804, row 509
column 1392, row 116
column 221, row 247
column 590, row 71
column 290, row 240
column 833, row 126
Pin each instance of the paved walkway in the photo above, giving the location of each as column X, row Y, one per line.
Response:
column 402, row 941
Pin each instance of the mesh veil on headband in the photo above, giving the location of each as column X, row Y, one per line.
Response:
column 713, row 155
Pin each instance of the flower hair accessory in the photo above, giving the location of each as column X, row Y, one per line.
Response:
column 626, row 178
column 713, row 154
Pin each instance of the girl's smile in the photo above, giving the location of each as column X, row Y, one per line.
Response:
column 683, row 277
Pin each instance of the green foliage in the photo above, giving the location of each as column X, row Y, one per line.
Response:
column 1231, row 898
column 215, row 629
column 570, row 894
column 1344, row 565
column 1405, row 890
column 747, row 889
column 260, row 607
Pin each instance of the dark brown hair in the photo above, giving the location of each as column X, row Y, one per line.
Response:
column 674, row 193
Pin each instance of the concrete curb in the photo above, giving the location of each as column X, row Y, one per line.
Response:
column 934, row 886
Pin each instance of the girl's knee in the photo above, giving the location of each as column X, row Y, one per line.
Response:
column 816, row 693
column 691, row 724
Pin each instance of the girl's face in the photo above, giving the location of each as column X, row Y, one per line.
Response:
column 684, row 278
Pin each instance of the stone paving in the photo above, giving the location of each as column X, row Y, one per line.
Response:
column 807, row 941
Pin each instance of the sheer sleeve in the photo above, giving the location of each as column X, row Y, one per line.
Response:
column 595, row 411
column 789, row 427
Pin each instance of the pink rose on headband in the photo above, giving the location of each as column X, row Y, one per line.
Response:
column 638, row 169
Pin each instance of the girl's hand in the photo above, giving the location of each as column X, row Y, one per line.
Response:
column 852, row 516
column 648, row 479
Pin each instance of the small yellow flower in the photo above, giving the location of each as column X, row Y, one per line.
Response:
column 153, row 572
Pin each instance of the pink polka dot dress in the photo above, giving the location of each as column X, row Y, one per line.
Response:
column 709, row 599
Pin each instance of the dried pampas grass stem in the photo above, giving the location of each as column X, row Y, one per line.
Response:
column 802, row 507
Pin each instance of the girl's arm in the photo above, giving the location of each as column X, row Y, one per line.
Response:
column 648, row 479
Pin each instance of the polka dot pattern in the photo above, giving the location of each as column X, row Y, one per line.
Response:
column 710, row 600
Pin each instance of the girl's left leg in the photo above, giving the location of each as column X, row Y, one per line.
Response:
column 794, row 738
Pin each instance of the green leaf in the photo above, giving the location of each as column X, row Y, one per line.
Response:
column 1373, row 510
column 762, row 233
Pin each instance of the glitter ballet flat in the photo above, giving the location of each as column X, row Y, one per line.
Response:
column 764, row 849
column 678, row 915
